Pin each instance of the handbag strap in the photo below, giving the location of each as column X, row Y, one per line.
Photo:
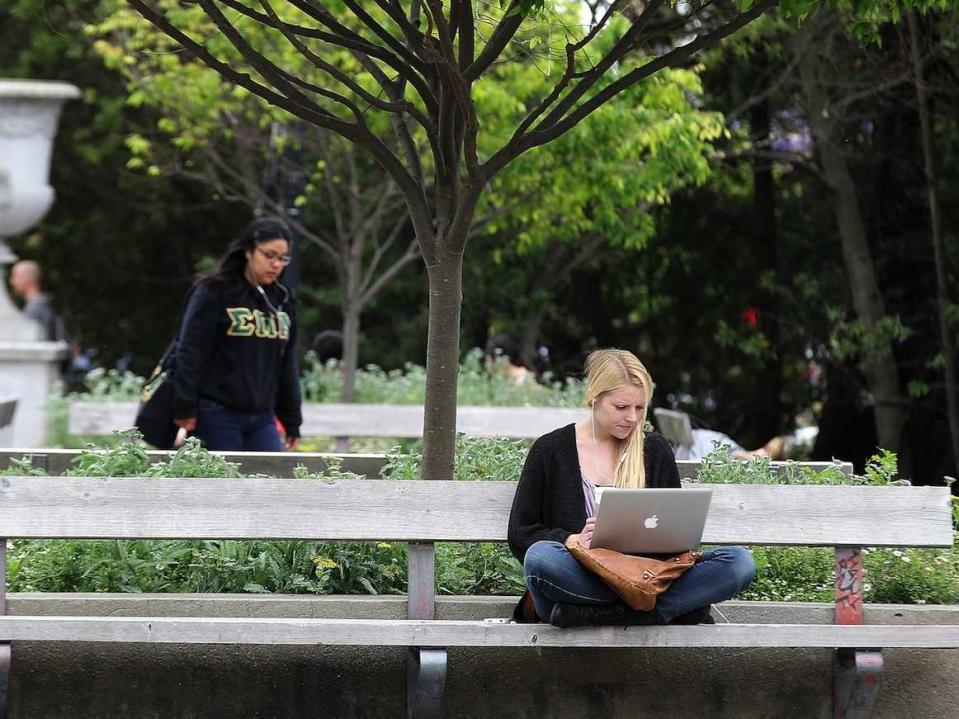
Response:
column 165, row 359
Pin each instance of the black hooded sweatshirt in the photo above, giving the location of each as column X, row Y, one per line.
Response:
column 239, row 350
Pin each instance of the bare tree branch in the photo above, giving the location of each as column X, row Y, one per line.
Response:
column 381, row 249
column 411, row 254
column 414, row 39
column 315, row 115
column 383, row 199
column 254, row 191
column 345, row 37
column 569, row 73
column 770, row 88
column 626, row 44
column 543, row 134
column 497, row 42
column 398, row 47
column 878, row 88
column 277, row 77
column 336, row 73
column 467, row 34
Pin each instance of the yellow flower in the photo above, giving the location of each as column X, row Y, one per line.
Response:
column 324, row 562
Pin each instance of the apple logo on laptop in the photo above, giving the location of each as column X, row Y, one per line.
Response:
column 651, row 522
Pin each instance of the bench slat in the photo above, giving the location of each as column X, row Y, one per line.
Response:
column 437, row 510
column 431, row 633
column 282, row 464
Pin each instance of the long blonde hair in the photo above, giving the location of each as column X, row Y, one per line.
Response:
column 608, row 370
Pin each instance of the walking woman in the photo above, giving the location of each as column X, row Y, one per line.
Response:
column 555, row 505
column 236, row 358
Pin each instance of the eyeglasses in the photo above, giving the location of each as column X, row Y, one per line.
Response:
column 274, row 257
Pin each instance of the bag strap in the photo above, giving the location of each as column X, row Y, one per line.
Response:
column 171, row 348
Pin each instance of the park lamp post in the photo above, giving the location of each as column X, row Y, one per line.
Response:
column 29, row 113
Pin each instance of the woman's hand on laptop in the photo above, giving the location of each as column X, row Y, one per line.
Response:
column 585, row 537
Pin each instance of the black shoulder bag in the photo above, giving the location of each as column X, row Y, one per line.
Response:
column 155, row 414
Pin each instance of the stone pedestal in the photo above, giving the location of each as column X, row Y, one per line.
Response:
column 29, row 365
column 30, row 373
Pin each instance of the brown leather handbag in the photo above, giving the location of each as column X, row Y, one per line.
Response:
column 637, row 580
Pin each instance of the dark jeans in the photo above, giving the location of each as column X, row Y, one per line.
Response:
column 222, row 429
column 553, row 575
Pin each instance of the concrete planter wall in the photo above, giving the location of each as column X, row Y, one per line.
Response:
column 83, row 681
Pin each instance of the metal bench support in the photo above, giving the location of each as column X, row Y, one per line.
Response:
column 855, row 671
column 4, row 678
column 4, row 647
column 425, row 666
column 425, row 681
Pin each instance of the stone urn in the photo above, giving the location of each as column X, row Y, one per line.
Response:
column 29, row 362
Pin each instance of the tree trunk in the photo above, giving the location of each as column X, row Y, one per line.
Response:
column 351, row 350
column 939, row 254
column 442, row 364
column 880, row 366
column 767, row 403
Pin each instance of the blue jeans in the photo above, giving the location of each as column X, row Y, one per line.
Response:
column 222, row 429
column 553, row 575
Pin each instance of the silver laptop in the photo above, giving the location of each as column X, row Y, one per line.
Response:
column 651, row 521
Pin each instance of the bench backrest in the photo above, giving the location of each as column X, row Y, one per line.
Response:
column 272, row 464
column 360, row 420
column 61, row 507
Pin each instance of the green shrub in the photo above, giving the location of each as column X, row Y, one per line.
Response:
column 322, row 383
column 793, row 574
column 477, row 458
column 910, row 576
column 112, row 385
column 784, row 573
column 475, row 386
column 255, row 566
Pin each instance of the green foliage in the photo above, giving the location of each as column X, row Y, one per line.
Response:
column 911, row 576
column 112, row 234
column 121, row 456
column 319, row 383
column 191, row 460
column 477, row 568
column 854, row 340
column 22, row 467
column 112, row 385
column 891, row 576
column 784, row 573
column 718, row 468
column 797, row 574
column 475, row 386
column 477, row 458
column 254, row 566
column 647, row 143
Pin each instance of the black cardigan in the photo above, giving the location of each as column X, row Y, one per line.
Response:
column 549, row 502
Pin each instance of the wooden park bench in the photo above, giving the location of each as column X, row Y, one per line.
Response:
column 423, row 512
